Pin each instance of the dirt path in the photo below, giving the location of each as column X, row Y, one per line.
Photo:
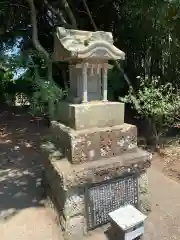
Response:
column 164, row 220
column 23, row 215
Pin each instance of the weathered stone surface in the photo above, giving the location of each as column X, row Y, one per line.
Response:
column 68, row 181
column 93, row 144
column 68, row 201
column 70, row 44
column 143, row 191
column 75, row 228
column 72, row 227
column 92, row 114
column 73, row 175
column 74, row 204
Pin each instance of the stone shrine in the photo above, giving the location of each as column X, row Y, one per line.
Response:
column 94, row 165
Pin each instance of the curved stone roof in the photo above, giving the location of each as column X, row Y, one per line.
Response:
column 74, row 44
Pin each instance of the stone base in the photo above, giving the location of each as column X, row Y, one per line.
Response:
column 95, row 143
column 144, row 198
column 67, row 184
column 92, row 114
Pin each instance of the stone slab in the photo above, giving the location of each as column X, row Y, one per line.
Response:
column 108, row 196
column 95, row 143
column 127, row 217
column 72, row 175
column 92, row 114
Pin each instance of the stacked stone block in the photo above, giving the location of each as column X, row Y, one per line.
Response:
column 80, row 156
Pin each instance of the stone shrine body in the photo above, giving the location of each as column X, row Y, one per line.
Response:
column 88, row 54
column 94, row 165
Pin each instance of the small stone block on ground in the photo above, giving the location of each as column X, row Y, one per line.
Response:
column 127, row 217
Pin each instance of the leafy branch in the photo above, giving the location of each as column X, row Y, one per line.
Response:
column 157, row 103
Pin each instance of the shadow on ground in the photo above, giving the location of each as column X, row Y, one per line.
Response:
column 20, row 163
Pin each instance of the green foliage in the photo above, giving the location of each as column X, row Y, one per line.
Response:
column 158, row 103
column 115, row 84
column 147, row 31
column 6, row 79
column 11, row 88
column 46, row 97
column 33, row 86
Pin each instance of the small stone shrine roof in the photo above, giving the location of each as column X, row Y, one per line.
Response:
column 74, row 44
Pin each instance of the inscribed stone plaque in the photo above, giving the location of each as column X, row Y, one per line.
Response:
column 108, row 196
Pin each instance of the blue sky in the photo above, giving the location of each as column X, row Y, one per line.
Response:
column 15, row 51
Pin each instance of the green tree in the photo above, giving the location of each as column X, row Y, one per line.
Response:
column 147, row 31
column 158, row 103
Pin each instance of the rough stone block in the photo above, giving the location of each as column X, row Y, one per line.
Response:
column 72, row 176
column 93, row 144
column 75, row 228
column 70, row 202
column 143, row 194
column 92, row 114
column 68, row 182
column 74, row 204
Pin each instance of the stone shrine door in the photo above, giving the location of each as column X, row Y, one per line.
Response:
column 94, row 86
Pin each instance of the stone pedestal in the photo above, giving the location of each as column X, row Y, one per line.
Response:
column 93, row 164
column 94, row 167
column 95, row 143
column 91, row 115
